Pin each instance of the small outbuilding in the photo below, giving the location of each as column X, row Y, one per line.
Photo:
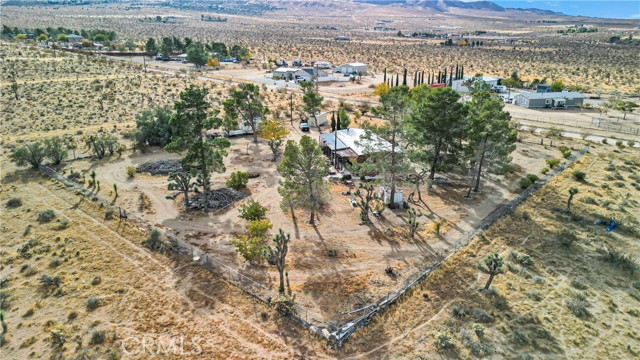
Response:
column 554, row 100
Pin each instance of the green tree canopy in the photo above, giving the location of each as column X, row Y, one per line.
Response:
column 190, row 124
column 303, row 169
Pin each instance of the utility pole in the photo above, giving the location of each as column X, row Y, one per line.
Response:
column 291, row 108
column 335, row 145
column 144, row 64
column 317, row 76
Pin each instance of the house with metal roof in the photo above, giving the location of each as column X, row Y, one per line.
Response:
column 352, row 68
column 351, row 145
column 554, row 100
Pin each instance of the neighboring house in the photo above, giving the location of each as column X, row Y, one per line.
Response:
column 352, row 68
column 284, row 73
column 309, row 74
column 563, row 99
column 322, row 64
column 72, row 38
column 348, row 145
column 459, row 85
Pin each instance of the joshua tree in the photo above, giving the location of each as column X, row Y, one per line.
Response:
column 413, row 222
column 278, row 256
column 492, row 265
column 572, row 192
column 182, row 181
column 365, row 201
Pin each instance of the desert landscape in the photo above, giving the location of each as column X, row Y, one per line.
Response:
column 117, row 244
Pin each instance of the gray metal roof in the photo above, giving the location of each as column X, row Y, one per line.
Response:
column 553, row 95
column 329, row 139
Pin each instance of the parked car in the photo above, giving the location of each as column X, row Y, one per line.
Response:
column 304, row 126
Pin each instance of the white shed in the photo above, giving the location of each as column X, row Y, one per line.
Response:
column 385, row 195
column 352, row 68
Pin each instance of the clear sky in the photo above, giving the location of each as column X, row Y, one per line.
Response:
column 617, row 9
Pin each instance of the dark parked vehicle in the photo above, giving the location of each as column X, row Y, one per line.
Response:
column 304, row 126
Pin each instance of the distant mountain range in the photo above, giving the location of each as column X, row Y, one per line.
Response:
column 445, row 5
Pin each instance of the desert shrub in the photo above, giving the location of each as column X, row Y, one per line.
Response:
column 566, row 238
column 578, row 306
column 97, row 337
column 605, row 186
column 108, row 214
column 72, row 316
column 32, row 154
column 481, row 316
column 619, row 259
column 566, row 154
column 55, row 262
column 534, row 294
column 500, row 303
column 553, row 132
column 46, row 216
column 285, row 304
column 461, row 312
column 238, row 180
column 563, row 149
column 443, row 341
column 253, row 244
column 154, row 242
column 525, row 260
column 589, row 200
column 55, row 149
column 47, row 281
column 631, row 143
column 620, row 144
column 332, row 252
column 579, row 175
column 153, row 128
column 58, row 336
column 525, row 182
column 479, row 330
column 96, row 280
column 544, row 170
column 552, row 163
column 578, row 284
column 13, row 203
column 93, row 302
column 605, row 141
column 519, row 335
column 5, row 295
column 252, row 210
column 131, row 171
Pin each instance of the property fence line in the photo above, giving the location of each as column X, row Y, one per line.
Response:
column 596, row 124
column 308, row 318
column 335, row 334
column 346, row 330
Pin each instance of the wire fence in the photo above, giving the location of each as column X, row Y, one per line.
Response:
column 308, row 318
column 335, row 334
column 369, row 311
column 596, row 124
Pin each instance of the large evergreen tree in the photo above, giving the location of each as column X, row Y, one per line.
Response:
column 437, row 124
column 303, row 169
column 492, row 138
column 190, row 124
column 244, row 104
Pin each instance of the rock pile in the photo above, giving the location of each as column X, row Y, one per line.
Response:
column 217, row 199
column 160, row 167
